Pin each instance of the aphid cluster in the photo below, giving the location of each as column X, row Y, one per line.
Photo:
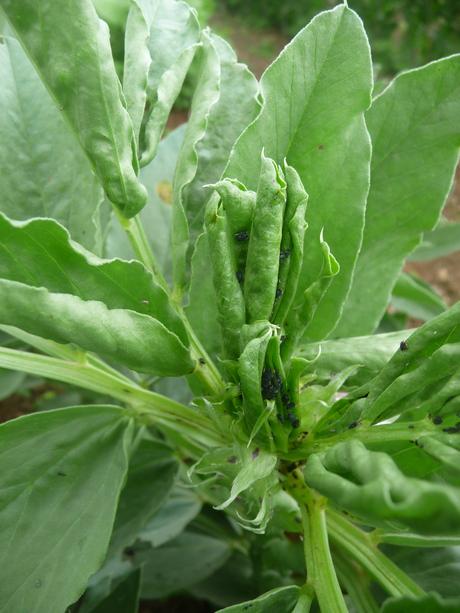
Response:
column 272, row 386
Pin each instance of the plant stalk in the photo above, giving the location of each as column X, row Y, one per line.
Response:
column 360, row 546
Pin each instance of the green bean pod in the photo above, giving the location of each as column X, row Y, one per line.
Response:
column 261, row 275
column 230, row 301
column 239, row 204
column 291, row 252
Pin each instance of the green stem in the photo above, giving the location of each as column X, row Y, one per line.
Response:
column 162, row 411
column 140, row 244
column 361, row 547
column 206, row 372
column 307, row 595
column 320, row 568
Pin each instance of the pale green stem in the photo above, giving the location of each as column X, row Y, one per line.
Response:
column 320, row 568
column 307, row 595
column 161, row 410
column 206, row 371
column 360, row 546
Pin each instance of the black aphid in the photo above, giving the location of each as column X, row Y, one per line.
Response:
column 232, row 459
column 295, row 423
column 240, row 276
column 352, row 425
column 242, row 236
column 255, row 453
column 202, row 361
column 284, row 254
column 271, row 384
column 437, row 419
column 403, row 346
column 279, row 292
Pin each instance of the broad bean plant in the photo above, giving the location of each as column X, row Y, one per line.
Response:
column 250, row 436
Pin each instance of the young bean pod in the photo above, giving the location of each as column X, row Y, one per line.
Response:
column 261, row 275
column 230, row 301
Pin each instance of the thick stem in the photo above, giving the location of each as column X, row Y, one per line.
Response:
column 320, row 568
column 158, row 409
column 360, row 546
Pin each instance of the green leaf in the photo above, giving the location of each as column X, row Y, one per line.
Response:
column 156, row 216
column 52, row 287
column 180, row 563
column 370, row 352
column 441, row 241
column 172, row 518
column 415, row 140
column 62, row 472
column 223, row 104
column 431, row 603
column 162, row 37
column 314, row 97
column 370, row 484
column 70, row 47
column 280, row 599
column 435, row 570
column 37, row 151
column 416, row 298
column 151, row 475
column 125, row 596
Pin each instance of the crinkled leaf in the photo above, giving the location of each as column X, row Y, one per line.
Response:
column 325, row 140
column 416, row 298
column 280, row 599
column 162, row 37
column 52, row 287
column 44, row 171
column 70, row 47
column 223, row 104
column 415, row 141
column 371, row 485
column 62, row 472
column 180, row 563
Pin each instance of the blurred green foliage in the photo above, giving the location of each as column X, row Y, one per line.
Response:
column 403, row 33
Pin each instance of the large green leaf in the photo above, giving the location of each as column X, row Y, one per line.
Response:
column 314, row 98
column 415, row 141
column 62, row 472
column 180, row 563
column 277, row 600
column 435, row 570
column 124, row 597
column 370, row 485
column 223, row 104
column 152, row 470
column 70, row 47
column 44, row 171
column 53, row 288
column 162, row 37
